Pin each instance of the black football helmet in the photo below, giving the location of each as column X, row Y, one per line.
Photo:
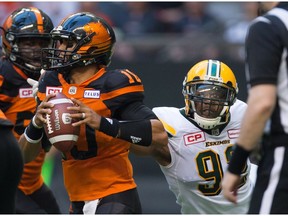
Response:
column 94, row 39
column 28, row 23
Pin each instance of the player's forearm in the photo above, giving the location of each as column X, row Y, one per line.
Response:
column 159, row 135
column 160, row 153
column 261, row 103
column 29, row 150
column 141, row 150
column 159, row 140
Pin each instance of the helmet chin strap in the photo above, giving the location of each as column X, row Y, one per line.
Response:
column 208, row 123
column 32, row 67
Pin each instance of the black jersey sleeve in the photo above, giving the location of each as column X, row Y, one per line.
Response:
column 263, row 52
column 135, row 111
column 121, row 89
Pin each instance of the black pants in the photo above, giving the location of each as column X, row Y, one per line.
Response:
column 11, row 168
column 270, row 194
column 41, row 201
column 126, row 202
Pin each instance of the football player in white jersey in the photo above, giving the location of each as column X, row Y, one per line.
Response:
column 201, row 139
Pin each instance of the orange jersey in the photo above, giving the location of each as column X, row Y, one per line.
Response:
column 18, row 104
column 98, row 165
column 2, row 116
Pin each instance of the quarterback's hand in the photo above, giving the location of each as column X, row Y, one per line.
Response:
column 230, row 184
column 34, row 84
column 84, row 115
column 42, row 110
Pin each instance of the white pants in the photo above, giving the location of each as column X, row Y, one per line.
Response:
column 90, row 206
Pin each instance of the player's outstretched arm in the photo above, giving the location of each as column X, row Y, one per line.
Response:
column 140, row 132
column 159, row 135
column 159, row 140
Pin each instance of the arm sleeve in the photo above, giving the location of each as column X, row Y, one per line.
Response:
column 263, row 52
column 136, row 111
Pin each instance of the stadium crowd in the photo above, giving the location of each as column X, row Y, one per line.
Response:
column 163, row 31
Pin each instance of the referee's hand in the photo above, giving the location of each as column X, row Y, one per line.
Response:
column 230, row 184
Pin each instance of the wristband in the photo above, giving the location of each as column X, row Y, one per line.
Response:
column 238, row 160
column 32, row 133
column 34, row 123
column 109, row 126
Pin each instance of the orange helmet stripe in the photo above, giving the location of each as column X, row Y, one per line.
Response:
column 39, row 19
column 8, row 22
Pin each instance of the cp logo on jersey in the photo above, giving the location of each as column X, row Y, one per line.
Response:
column 194, row 138
column 233, row 133
column 26, row 93
column 50, row 90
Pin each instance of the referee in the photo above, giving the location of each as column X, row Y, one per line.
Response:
column 11, row 166
column 267, row 75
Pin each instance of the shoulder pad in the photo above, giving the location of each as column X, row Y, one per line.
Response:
column 121, row 78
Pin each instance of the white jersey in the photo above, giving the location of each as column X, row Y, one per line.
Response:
column 199, row 161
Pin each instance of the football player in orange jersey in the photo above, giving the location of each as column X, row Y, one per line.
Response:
column 24, row 33
column 97, row 172
column 10, row 159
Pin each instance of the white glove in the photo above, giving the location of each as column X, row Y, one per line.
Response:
column 34, row 83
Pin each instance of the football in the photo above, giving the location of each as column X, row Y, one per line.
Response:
column 58, row 128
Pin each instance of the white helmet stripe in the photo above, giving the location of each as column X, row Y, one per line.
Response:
column 213, row 68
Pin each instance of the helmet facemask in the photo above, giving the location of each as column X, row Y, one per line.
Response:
column 25, row 33
column 64, row 59
column 92, row 40
column 209, row 89
column 27, row 56
column 209, row 103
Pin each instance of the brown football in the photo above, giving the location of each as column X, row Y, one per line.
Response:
column 59, row 129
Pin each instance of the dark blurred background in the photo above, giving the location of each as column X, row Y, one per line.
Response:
column 159, row 41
